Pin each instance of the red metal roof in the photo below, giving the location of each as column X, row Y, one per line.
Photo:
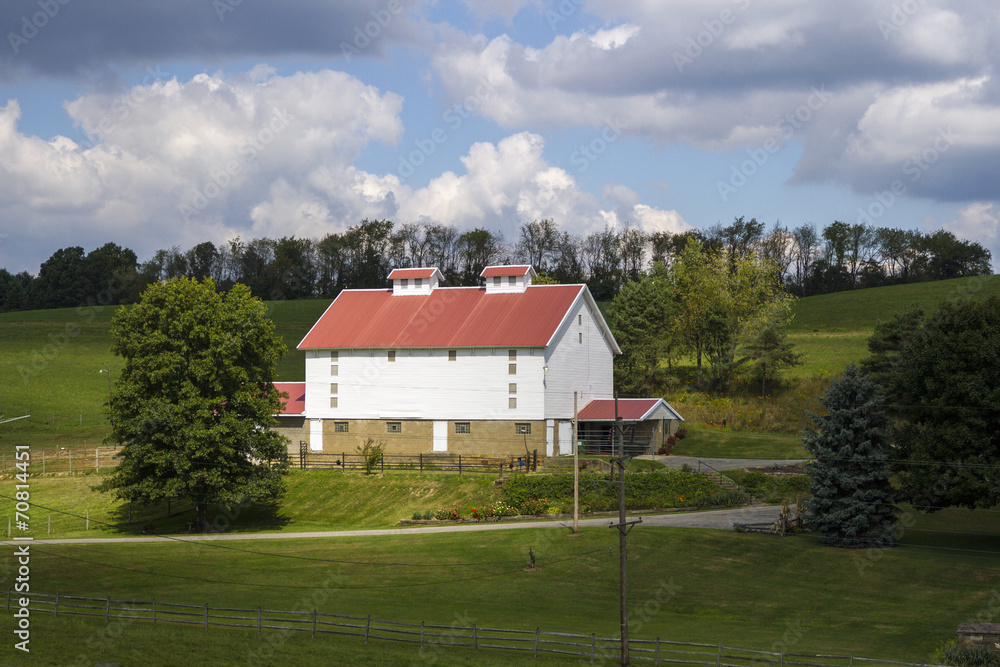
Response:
column 296, row 403
column 412, row 273
column 491, row 271
column 447, row 317
column 629, row 409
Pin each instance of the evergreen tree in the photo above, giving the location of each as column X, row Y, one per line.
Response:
column 851, row 504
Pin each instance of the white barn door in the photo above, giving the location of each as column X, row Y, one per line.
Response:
column 565, row 438
column 315, row 435
column 550, row 437
column 440, row 436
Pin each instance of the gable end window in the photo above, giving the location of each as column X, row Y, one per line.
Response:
column 463, row 427
column 512, row 355
column 394, row 427
column 452, row 355
column 392, row 355
column 403, row 282
column 511, row 369
column 417, row 282
column 512, row 403
column 522, row 428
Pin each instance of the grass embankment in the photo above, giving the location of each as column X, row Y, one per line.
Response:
column 744, row 590
column 718, row 442
column 315, row 500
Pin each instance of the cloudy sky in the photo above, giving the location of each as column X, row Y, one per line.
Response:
column 155, row 123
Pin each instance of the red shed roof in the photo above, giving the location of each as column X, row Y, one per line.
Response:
column 629, row 409
column 412, row 273
column 491, row 271
column 447, row 317
column 296, row 403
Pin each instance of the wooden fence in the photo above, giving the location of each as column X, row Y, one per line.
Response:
column 318, row 624
column 77, row 459
column 102, row 458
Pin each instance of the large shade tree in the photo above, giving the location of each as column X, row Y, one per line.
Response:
column 194, row 405
column 852, row 496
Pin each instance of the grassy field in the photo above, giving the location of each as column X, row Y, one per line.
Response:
column 744, row 590
column 718, row 442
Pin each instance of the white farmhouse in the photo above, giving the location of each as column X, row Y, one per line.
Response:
column 486, row 370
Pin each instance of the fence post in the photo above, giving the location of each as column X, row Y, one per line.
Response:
column 107, row 610
column 314, row 623
column 55, row 610
column 534, row 464
column 475, row 636
column 593, row 645
column 154, row 611
column 8, row 599
column 368, row 627
column 206, row 616
column 718, row 660
column 129, row 518
column 381, row 460
column 656, row 659
column 421, row 462
column 421, row 634
column 536, row 642
column 258, row 620
column 459, row 464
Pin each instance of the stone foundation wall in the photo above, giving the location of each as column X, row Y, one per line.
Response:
column 485, row 438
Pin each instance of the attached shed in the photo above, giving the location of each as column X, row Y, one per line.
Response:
column 292, row 419
column 648, row 423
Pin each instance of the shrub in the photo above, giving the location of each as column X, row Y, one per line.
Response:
column 417, row 515
column 536, row 506
column 681, row 433
column 429, row 514
column 448, row 514
column 371, row 455
column 971, row 657
column 671, row 441
column 662, row 451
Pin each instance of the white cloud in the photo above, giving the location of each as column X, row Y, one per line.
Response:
column 979, row 221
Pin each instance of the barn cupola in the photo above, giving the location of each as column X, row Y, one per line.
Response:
column 413, row 282
column 507, row 279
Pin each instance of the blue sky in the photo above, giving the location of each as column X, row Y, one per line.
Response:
column 157, row 124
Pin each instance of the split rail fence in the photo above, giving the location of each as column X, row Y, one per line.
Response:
column 64, row 460
column 318, row 624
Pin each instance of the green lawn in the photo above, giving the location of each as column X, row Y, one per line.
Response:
column 744, row 590
column 715, row 442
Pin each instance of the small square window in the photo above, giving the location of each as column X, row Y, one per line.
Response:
column 463, row 427
column 511, row 369
column 512, row 280
column 417, row 282
column 340, row 427
column 512, row 355
column 404, row 282
column 512, row 403
column 496, row 281
column 333, row 401
column 392, row 355
column 334, row 370
column 334, row 356
column 512, row 388
column 452, row 355
column 522, row 428
column 394, row 427
column 579, row 320
column 333, row 387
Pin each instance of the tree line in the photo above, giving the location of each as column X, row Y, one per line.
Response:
column 806, row 261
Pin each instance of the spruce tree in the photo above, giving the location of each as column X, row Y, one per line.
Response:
column 852, row 498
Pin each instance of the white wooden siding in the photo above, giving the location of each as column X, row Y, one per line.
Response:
column 585, row 367
column 424, row 384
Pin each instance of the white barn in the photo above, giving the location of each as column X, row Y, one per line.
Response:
column 488, row 370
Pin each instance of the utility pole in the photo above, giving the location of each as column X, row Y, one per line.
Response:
column 623, row 528
column 576, row 469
